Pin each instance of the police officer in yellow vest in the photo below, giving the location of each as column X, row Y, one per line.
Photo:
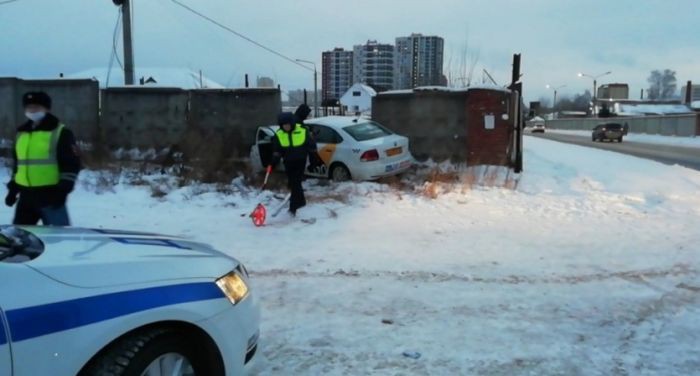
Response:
column 46, row 166
column 293, row 144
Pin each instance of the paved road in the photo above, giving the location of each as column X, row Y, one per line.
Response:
column 684, row 156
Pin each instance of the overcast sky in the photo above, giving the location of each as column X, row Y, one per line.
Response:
column 557, row 38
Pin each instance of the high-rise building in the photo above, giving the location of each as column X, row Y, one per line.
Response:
column 419, row 61
column 373, row 65
column 694, row 92
column 336, row 73
column 266, row 82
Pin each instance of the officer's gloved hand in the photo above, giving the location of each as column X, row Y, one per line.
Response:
column 12, row 192
column 11, row 199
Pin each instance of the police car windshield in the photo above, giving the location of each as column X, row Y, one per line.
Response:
column 367, row 131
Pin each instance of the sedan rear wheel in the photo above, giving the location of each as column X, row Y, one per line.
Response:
column 340, row 173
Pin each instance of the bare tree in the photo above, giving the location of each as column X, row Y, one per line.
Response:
column 662, row 85
column 462, row 74
column 545, row 103
column 582, row 102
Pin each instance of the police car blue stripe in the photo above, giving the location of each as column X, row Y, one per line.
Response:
column 146, row 241
column 3, row 336
column 31, row 322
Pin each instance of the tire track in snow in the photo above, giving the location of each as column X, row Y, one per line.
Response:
column 629, row 275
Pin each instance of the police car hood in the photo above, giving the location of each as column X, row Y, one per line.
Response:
column 100, row 258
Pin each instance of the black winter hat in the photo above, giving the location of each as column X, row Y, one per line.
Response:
column 285, row 118
column 302, row 112
column 36, row 97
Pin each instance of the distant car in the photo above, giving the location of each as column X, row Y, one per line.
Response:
column 608, row 131
column 350, row 147
column 97, row 302
column 537, row 128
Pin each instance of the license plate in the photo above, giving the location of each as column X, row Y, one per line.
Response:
column 397, row 166
column 394, row 151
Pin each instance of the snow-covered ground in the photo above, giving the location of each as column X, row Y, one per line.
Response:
column 589, row 267
column 641, row 137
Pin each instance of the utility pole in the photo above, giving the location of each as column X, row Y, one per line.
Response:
column 554, row 104
column 128, row 47
column 516, row 88
column 315, row 84
column 595, row 83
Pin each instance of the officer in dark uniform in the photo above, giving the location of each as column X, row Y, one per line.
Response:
column 293, row 144
column 45, row 167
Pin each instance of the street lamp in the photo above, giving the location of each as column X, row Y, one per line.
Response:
column 595, row 79
column 554, row 104
column 315, row 84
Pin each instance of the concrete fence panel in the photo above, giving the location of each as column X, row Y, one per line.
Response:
column 75, row 102
column 233, row 115
column 143, row 117
column 668, row 125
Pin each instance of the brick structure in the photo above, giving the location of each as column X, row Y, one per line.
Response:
column 490, row 129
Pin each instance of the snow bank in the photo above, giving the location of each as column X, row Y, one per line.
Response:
column 590, row 266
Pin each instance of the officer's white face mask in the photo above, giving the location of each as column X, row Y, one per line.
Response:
column 35, row 116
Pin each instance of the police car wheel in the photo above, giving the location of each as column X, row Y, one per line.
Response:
column 152, row 353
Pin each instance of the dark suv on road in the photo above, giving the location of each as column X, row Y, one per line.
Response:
column 608, row 131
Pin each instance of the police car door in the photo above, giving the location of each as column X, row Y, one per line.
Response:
column 5, row 355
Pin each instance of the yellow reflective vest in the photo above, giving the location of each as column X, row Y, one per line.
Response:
column 298, row 137
column 37, row 162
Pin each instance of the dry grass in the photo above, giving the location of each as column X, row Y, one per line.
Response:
column 433, row 182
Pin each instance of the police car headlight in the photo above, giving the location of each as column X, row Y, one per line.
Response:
column 233, row 286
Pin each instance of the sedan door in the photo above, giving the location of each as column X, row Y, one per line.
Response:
column 261, row 152
column 327, row 141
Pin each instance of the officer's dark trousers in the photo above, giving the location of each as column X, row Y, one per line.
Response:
column 29, row 212
column 295, row 175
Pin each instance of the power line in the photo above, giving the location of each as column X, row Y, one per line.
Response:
column 114, row 53
column 114, row 39
column 268, row 49
column 7, row 2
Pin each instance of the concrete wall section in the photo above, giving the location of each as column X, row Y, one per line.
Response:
column 143, row 117
column 434, row 121
column 75, row 102
column 10, row 101
column 233, row 115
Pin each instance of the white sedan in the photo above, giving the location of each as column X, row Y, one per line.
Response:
column 96, row 302
column 350, row 147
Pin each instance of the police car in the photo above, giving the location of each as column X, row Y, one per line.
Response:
column 350, row 147
column 96, row 302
